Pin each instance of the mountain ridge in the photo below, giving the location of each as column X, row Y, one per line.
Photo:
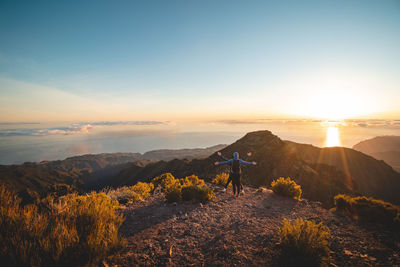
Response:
column 322, row 172
column 386, row 148
column 86, row 171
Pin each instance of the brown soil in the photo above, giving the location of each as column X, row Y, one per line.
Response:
column 242, row 231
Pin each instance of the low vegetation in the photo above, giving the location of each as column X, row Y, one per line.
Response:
column 163, row 180
column 122, row 194
column 197, row 193
column 128, row 194
column 304, row 243
column 221, row 179
column 72, row 230
column 173, row 191
column 189, row 188
column 59, row 190
column 286, row 187
column 368, row 209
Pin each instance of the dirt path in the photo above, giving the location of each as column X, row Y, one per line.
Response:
column 241, row 231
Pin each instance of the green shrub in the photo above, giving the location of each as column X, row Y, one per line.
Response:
column 192, row 180
column 342, row 202
column 221, row 179
column 163, row 180
column 286, row 187
column 126, row 194
column 173, row 191
column 197, row 193
column 368, row 209
column 304, row 243
column 71, row 231
column 97, row 224
column 188, row 188
column 60, row 190
column 141, row 191
column 122, row 194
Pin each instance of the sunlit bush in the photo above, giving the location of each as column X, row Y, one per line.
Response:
column 304, row 243
column 141, row 191
column 122, row 194
column 173, row 191
column 97, row 224
column 286, row 187
column 342, row 202
column 197, row 193
column 188, row 188
column 221, row 179
column 368, row 209
column 126, row 194
column 71, row 231
column 192, row 180
column 163, row 180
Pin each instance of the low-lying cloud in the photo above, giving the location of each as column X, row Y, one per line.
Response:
column 75, row 128
column 370, row 123
column 389, row 124
column 111, row 123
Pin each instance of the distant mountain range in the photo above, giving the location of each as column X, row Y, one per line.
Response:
column 322, row 172
column 386, row 148
column 87, row 171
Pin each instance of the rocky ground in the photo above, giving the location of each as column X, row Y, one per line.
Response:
column 242, row 231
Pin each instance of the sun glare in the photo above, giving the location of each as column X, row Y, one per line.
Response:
column 333, row 95
column 332, row 137
column 334, row 105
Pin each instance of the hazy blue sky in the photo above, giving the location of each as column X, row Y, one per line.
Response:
column 118, row 60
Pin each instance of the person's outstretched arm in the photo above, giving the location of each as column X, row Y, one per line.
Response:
column 222, row 157
column 223, row 162
column 247, row 156
column 247, row 162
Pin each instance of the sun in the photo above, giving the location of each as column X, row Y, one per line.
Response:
column 333, row 96
column 332, row 137
column 334, row 105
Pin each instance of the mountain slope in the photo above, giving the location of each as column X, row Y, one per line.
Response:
column 190, row 153
column 87, row 171
column 364, row 174
column 390, row 157
column 379, row 144
column 241, row 232
column 386, row 148
column 34, row 177
column 322, row 172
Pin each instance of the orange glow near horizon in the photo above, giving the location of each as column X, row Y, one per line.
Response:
column 334, row 106
column 336, row 95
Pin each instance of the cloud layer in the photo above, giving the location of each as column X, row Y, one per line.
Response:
column 365, row 123
column 72, row 129
column 79, row 128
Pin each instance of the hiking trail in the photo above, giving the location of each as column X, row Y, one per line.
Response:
column 241, row 231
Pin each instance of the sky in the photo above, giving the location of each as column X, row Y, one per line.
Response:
column 196, row 60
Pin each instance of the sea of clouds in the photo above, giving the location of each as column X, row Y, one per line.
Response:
column 371, row 123
column 79, row 128
column 74, row 128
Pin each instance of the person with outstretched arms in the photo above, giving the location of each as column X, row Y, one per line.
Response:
column 235, row 170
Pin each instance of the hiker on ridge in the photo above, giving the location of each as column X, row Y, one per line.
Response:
column 235, row 172
column 230, row 177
